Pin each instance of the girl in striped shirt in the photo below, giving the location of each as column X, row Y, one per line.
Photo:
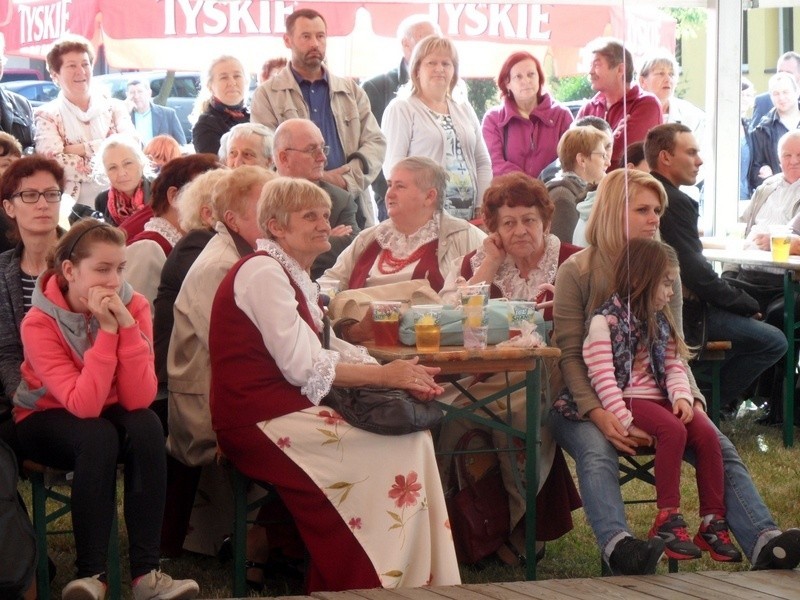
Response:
column 636, row 360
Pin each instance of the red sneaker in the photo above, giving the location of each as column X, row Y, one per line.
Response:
column 671, row 528
column 716, row 539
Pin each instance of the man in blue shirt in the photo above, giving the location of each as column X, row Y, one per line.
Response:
column 339, row 107
column 150, row 119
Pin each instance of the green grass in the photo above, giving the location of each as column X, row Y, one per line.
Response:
column 774, row 469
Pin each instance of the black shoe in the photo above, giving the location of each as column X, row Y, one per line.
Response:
column 781, row 552
column 632, row 556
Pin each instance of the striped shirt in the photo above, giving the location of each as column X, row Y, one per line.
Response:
column 597, row 354
column 28, row 283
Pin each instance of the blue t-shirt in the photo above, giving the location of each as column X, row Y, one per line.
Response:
column 318, row 99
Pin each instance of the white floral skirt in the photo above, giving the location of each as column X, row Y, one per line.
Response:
column 386, row 488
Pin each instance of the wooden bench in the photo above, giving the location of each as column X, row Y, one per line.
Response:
column 706, row 368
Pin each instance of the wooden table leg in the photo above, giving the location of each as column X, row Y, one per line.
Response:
column 533, row 391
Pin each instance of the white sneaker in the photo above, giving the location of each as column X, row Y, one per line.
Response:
column 85, row 588
column 160, row 586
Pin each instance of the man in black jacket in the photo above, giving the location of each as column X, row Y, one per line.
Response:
column 730, row 313
column 16, row 115
column 788, row 62
column 382, row 89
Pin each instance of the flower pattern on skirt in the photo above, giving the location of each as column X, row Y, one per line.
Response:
column 386, row 490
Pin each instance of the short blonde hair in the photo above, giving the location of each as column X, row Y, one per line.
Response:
column 425, row 47
column 231, row 191
column 578, row 140
column 196, row 195
column 605, row 229
column 283, row 196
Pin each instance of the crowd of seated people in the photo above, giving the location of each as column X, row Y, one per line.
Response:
column 181, row 318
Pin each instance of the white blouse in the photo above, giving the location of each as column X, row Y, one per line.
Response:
column 508, row 278
column 294, row 345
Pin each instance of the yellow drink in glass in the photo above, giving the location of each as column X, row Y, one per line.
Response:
column 780, row 244
column 429, row 337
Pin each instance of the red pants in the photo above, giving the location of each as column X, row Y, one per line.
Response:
column 656, row 418
column 338, row 562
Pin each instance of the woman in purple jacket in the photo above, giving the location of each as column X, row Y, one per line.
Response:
column 523, row 132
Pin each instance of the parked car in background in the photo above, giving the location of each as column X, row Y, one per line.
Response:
column 181, row 97
column 37, row 92
column 14, row 74
column 574, row 106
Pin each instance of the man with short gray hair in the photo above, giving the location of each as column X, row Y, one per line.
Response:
column 246, row 144
column 300, row 151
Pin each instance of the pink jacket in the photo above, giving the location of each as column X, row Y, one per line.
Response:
column 530, row 144
column 70, row 363
column 643, row 112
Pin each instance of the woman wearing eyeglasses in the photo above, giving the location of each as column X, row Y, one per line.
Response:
column 523, row 132
column 31, row 193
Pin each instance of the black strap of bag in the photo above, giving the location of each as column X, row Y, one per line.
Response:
column 386, row 411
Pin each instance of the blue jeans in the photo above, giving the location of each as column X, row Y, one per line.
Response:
column 755, row 346
column 597, row 464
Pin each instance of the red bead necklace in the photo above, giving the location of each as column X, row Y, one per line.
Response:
column 388, row 264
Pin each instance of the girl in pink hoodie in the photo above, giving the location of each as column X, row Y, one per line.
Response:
column 87, row 380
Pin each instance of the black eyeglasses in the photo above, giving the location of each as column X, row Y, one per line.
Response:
column 313, row 150
column 32, row 196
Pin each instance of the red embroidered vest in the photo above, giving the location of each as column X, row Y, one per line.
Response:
column 427, row 267
column 247, row 386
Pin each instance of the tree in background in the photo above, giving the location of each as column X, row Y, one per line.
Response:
column 483, row 95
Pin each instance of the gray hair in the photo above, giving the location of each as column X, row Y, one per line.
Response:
column 284, row 134
column 657, row 59
column 427, row 174
column 245, row 129
column 407, row 25
column 118, row 140
column 195, row 195
column 789, row 135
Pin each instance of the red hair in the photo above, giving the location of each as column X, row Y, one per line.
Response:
column 505, row 72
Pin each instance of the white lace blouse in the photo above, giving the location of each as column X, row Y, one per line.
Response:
column 508, row 278
column 401, row 246
column 295, row 347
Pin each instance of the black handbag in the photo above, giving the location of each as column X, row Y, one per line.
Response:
column 385, row 411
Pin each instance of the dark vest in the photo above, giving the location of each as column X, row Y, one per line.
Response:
column 247, row 386
column 427, row 267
